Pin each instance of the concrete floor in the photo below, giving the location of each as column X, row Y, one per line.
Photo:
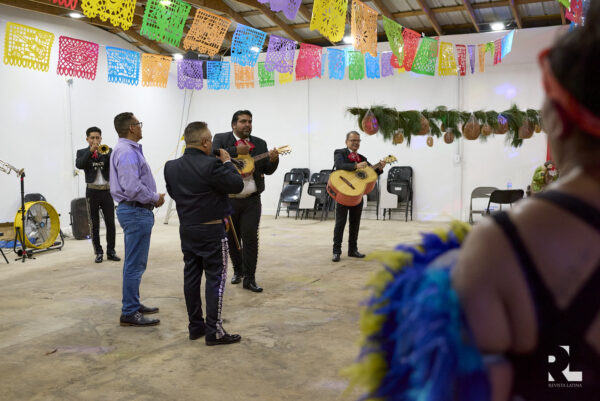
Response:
column 60, row 338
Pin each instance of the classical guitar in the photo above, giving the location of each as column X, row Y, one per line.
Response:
column 245, row 163
column 349, row 187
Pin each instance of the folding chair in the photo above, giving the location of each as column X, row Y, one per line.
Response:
column 504, row 197
column 290, row 192
column 479, row 193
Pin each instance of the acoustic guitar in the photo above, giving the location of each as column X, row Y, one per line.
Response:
column 349, row 187
column 245, row 163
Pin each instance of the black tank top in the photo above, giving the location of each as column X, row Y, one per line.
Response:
column 563, row 366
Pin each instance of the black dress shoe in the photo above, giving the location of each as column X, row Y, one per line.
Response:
column 336, row 257
column 137, row 319
column 237, row 278
column 113, row 256
column 356, row 254
column 147, row 310
column 197, row 335
column 99, row 257
column 252, row 286
column 226, row 339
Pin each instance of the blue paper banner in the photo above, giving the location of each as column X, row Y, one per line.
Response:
column 337, row 63
column 372, row 66
column 246, row 45
column 123, row 65
column 218, row 73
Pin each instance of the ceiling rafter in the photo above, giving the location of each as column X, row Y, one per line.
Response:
column 563, row 20
column 515, row 13
column 383, row 8
column 431, row 17
column 471, row 13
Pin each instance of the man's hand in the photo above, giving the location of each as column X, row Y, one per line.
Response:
column 273, row 155
column 94, row 147
column 361, row 165
column 224, row 155
column 160, row 201
column 243, row 149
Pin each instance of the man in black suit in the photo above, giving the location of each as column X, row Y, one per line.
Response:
column 349, row 159
column 199, row 183
column 97, row 193
column 246, row 204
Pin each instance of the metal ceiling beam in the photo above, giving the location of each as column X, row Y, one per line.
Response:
column 222, row 8
column 273, row 17
column 563, row 20
column 383, row 8
column 515, row 13
column 430, row 16
column 471, row 13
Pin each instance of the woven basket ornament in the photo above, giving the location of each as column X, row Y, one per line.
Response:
column 77, row 58
column 118, row 12
column 207, row 33
column 363, row 28
column 329, row 18
column 123, row 65
column 164, row 21
column 27, row 47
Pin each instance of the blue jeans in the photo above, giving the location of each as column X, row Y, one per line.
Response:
column 137, row 225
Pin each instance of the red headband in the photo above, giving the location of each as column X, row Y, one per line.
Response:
column 575, row 111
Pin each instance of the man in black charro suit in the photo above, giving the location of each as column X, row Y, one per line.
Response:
column 349, row 159
column 246, row 204
column 97, row 193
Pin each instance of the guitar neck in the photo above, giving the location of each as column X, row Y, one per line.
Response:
column 261, row 156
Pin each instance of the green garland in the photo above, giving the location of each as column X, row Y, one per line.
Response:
column 442, row 120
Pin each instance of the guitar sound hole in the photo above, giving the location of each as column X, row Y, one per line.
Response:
column 361, row 174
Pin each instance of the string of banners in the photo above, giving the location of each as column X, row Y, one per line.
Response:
column 163, row 21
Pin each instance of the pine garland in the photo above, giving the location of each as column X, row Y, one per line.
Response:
column 442, row 120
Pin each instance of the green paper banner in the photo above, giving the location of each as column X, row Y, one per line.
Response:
column 265, row 78
column 426, row 57
column 357, row 65
column 393, row 31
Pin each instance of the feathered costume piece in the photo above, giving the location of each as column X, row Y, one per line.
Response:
column 416, row 345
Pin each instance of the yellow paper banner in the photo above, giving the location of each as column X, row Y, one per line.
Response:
column 481, row 51
column 329, row 18
column 447, row 61
column 207, row 32
column 155, row 70
column 364, row 28
column 27, row 47
column 244, row 76
column 286, row 78
column 119, row 12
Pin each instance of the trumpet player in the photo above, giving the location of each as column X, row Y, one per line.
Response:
column 95, row 161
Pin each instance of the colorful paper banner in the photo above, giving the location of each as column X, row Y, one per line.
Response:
column 424, row 62
column 77, row 58
column 189, row 74
column 123, row 65
column 363, row 28
column 155, row 70
column 218, row 74
column 447, row 64
column 246, row 45
column 118, row 12
column 207, row 33
column 27, row 47
column 309, row 62
column 329, row 18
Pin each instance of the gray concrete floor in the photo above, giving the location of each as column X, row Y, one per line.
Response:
column 60, row 337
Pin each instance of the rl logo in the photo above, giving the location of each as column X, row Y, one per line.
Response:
column 558, row 368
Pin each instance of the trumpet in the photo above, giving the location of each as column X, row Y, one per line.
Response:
column 103, row 149
column 7, row 168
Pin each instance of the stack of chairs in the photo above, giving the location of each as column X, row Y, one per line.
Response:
column 400, row 183
column 291, row 190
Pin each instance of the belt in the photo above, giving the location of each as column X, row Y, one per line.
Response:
column 103, row 187
column 137, row 204
column 235, row 196
column 217, row 221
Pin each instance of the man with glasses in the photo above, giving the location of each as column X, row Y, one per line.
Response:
column 348, row 159
column 133, row 187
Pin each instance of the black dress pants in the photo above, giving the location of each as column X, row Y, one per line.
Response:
column 204, row 248
column 245, row 218
column 341, row 216
column 101, row 199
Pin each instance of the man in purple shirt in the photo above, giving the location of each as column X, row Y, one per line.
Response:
column 133, row 188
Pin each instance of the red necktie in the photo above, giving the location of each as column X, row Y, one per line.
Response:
column 354, row 157
column 245, row 142
column 95, row 155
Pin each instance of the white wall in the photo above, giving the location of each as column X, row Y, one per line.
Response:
column 308, row 115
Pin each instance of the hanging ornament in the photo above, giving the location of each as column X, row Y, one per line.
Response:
column 443, row 127
column 525, row 130
column 538, row 128
column 449, row 137
column 471, row 129
column 486, row 129
column 430, row 141
column 424, row 126
column 369, row 123
column 398, row 137
column 502, row 127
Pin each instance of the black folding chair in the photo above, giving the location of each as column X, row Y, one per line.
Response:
column 504, row 197
column 400, row 182
column 2, row 252
column 291, row 192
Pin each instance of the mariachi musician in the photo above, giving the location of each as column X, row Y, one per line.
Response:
column 349, row 159
column 95, row 161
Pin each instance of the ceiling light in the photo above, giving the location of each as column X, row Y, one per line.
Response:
column 349, row 40
column 165, row 3
column 497, row 26
column 178, row 56
column 75, row 15
column 255, row 49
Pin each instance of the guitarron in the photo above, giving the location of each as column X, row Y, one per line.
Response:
column 349, row 187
